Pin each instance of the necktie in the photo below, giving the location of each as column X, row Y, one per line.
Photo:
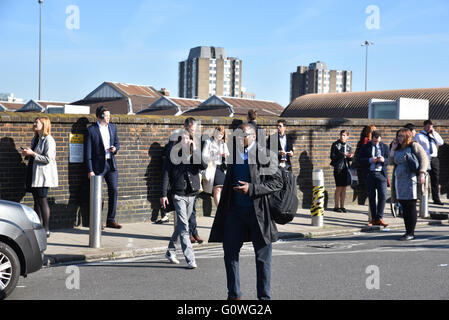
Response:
column 376, row 152
column 430, row 143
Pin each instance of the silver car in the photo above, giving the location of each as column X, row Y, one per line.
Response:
column 22, row 244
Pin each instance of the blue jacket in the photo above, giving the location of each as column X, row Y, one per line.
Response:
column 95, row 154
column 366, row 154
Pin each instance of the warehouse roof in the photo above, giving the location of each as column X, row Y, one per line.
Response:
column 355, row 104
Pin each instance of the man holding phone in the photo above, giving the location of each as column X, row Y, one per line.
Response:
column 284, row 145
column 243, row 213
column 431, row 140
column 374, row 161
column 101, row 146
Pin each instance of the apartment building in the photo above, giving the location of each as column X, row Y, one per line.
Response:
column 317, row 78
column 207, row 72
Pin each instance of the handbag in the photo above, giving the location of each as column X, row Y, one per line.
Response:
column 354, row 177
column 412, row 162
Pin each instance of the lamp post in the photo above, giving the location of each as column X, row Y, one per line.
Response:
column 366, row 44
column 40, row 47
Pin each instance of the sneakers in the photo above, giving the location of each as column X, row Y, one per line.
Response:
column 171, row 258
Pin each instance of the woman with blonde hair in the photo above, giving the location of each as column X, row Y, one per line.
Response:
column 215, row 153
column 407, row 179
column 42, row 172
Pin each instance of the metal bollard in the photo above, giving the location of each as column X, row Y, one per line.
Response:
column 95, row 211
column 317, row 208
column 424, row 203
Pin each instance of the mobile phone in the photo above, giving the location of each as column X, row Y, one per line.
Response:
column 21, row 148
column 237, row 185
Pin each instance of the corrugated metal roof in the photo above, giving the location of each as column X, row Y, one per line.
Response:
column 355, row 104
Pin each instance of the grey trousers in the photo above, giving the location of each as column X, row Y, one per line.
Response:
column 184, row 207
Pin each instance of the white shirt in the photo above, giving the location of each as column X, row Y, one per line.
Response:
column 104, row 131
column 423, row 140
column 375, row 166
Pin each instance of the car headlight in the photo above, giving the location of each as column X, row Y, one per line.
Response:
column 31, row 214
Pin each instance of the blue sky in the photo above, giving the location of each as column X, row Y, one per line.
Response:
column 142, row 42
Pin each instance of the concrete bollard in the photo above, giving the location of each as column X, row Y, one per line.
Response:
column 317, row 208
column 95, row 211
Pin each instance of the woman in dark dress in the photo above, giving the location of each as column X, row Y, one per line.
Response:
column 341, row 154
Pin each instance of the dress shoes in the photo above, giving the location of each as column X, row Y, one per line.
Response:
column 377, row 223
column 438, row 202
column 192, row 239
column 113, row 225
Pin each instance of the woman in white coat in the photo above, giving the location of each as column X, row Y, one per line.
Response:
column 215, row 152
column 42, row 172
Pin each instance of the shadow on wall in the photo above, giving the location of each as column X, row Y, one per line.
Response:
column 305, row 182
column 76, row 211
column 12, row 171
column 153, row 178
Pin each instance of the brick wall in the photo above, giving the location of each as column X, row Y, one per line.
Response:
column 140, row 158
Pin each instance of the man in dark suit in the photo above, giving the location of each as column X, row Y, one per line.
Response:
column 284, row 145
column 374, row 161
column 243, row 213
column 101, row 147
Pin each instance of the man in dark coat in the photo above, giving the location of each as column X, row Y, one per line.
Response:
column 374, row 162
column 243, row 213
column 101, row 147
column 284, row 144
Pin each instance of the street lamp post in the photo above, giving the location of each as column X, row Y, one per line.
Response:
column 366, row 44
column 40, row 47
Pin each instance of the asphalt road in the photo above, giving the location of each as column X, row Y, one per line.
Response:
column 360, row 266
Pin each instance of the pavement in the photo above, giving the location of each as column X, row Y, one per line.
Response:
column 70, row 246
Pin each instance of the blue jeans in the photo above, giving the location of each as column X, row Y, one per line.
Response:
column 192, row 220
column 240, row 221
column 376, row 181
column 183, row 207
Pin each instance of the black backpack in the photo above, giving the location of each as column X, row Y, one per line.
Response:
column 284, row 203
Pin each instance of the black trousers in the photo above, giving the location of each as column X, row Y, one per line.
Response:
column 376, row 181
column 410, row 215
column 435, row 178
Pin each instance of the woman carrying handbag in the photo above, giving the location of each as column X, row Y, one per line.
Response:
column 215, row 153
column 407, row 180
